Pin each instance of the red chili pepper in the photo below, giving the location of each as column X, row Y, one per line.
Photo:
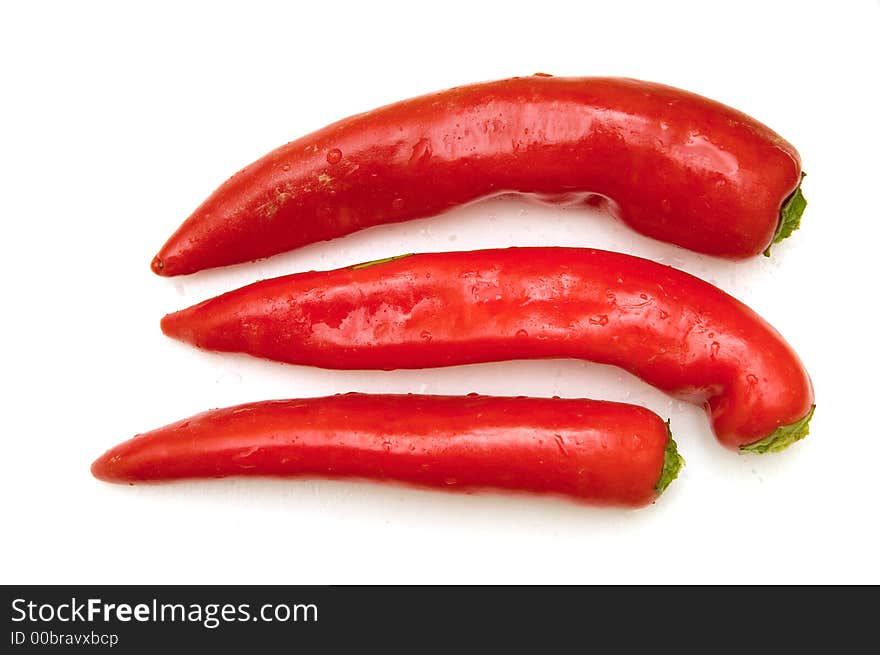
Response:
column 671, row 164
column 601, row 452
column 669, row 328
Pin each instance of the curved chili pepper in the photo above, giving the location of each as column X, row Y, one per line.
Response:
column 665, row 326
column 671, row 164
column 600, row 452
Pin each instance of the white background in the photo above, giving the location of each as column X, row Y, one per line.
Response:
column 118, row 121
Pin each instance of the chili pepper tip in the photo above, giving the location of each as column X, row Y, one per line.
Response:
column 103, row 469
column 158, row 265
column 172, row 327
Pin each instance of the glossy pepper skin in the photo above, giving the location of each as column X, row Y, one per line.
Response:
column 676, row 166
column 669, row 328
column 597, row 452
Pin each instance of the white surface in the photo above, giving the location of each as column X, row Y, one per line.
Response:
column 117, row 122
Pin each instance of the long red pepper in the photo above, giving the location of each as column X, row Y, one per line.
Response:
column 671, row 164
column 599, row 452
column 665, row 326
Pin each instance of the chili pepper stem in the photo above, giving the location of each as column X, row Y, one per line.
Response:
column 376, row 262
column 672, row 464
column 789, row 215
column 782, row 436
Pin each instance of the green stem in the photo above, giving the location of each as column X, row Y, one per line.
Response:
column 672, row 463
column 782, row 437
column 789, row 215
column 375, row 262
